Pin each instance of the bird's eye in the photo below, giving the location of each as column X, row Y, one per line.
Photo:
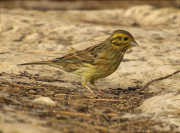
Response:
column 125, row 38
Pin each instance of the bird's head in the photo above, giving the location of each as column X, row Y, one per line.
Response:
column 121, row 39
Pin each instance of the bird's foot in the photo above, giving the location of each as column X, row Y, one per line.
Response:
column 101, row 93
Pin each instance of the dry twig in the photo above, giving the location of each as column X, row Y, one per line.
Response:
column 161, row 78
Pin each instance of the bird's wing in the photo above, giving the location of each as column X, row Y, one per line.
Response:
column 84, row 56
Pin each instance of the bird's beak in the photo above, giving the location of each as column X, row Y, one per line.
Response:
column 134, row 43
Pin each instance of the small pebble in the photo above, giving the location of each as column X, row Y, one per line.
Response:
column 44, row 101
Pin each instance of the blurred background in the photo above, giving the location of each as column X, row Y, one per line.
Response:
column 84, row 4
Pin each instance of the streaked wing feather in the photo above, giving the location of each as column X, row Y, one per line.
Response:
column 77, row 57
column 88, row 55
column 84, row 56
column 69, row 58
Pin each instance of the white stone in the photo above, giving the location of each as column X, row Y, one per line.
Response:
column 44, row 101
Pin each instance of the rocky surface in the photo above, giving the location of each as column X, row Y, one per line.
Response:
column 85, row 4
column 151, row 70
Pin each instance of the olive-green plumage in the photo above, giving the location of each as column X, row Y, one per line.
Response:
column 95, row 62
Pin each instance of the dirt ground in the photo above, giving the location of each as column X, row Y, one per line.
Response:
column 75, row 111
column 143, row 95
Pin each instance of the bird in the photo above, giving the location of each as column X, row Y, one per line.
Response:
column 95, row 62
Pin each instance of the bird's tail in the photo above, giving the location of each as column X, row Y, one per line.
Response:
column 38, row 63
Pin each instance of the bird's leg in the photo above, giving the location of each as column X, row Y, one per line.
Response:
column 90, row 90
column 84, row 83
column 100, row 92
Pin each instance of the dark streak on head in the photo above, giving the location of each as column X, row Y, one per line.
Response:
column 122, row 32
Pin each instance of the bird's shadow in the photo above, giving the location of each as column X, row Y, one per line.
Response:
column 118, row 91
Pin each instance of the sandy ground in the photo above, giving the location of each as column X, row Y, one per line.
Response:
column 141, row 96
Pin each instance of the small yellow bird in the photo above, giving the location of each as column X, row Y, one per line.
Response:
column 94, row 62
